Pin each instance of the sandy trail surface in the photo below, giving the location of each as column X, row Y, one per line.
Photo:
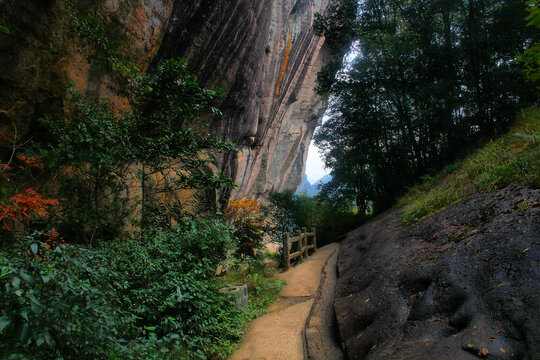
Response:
column 281, row 334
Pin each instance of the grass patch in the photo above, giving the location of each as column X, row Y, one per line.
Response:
column 263, row 289
column 509, row 159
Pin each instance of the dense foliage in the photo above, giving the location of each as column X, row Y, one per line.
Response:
column 339, row 25
column 531, row 57
column 332, row 218
column 148, row 298
column 339, row 28
column 101, row 155
column 431, row 79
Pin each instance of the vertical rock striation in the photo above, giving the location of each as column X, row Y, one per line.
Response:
column 262, row 53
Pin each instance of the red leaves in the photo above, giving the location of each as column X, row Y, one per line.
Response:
column 24, row 205
column 4, row 137
column 30, row 161
column 54, row 239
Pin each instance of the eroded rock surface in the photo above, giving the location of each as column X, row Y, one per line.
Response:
column 461, row 284
column 262, row 53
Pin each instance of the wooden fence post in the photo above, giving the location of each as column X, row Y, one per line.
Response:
column 286, row 259
column 303, row 242
column 300, row 243
column 313, row 229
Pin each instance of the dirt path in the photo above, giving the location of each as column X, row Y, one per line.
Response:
column 296, row 325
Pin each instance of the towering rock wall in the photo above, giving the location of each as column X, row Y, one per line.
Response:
column 262, row 53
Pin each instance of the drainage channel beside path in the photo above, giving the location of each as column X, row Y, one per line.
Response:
column 301, row 324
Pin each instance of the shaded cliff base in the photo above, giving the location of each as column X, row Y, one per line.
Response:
column 461, row 284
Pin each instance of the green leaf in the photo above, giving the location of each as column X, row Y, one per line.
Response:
column 40, row 341
column 23, row 332
column 49, row 339
column 34, row 248
column 24, row 315
column 16, row 282
column 150, row 328
column 5, row 30
column 4, row 322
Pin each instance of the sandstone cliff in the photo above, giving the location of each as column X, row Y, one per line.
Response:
column 262, row 53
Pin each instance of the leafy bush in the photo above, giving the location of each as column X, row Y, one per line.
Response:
column 170, row 287
column 246, row 216
column 291, row 212
column 20, row 208
column 337, row 219
column 258, row 274
column 59, row 303
column 151, row 298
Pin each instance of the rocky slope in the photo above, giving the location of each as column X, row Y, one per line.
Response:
column 461, row 284
column 262, row 53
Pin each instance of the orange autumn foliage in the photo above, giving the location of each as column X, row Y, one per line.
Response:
column 246, row 214
column 244, row 208
column 23, row 206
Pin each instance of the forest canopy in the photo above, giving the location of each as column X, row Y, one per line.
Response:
column 431, row 79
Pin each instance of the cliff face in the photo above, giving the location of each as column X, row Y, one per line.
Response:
column 262, row 53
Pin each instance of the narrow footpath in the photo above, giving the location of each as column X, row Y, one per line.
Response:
column 301, row 324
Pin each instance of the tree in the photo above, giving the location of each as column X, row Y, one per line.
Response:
column 100, row 154
column 338, row 26
column 247, row 222
column 158, row 148
column 531, row 57
column 432, row 78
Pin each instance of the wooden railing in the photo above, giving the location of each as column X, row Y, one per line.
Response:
column 302, row 244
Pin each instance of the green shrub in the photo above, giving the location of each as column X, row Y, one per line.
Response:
column 59, row 303
column 169, row 280
column 246, row 218
column 258, row 274
column 150, row 298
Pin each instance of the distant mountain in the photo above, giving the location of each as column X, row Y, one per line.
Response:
column 325, row 179
column 305, row 186
column 312, row 189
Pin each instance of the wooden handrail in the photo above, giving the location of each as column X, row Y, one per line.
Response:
column 299, row 245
